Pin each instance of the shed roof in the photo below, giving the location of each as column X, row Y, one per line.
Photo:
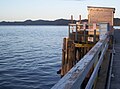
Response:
column 102, row 8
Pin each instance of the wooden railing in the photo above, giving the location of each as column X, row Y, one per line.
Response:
column 79, row 41
column 76, row 76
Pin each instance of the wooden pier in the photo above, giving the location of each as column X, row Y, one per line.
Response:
column 87, row 52
column 79, row 42
column 115, row 67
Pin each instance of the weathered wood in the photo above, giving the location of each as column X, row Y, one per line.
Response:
column 97, row 66
column 76, row 46
column 64, row 57
column 80, row 19
column 94, row 40
column 81, row 61
column 70, row 55
column 100, row 14
column 74, row 78
column 83, row 45
column 71, row 18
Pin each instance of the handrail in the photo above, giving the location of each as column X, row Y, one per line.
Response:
column 72, row 24
column 95, row 72
column 74, row 78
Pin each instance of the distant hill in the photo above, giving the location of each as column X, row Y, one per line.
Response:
column 60, row 22
column 41, row 22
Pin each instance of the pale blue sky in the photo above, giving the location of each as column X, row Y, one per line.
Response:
column 19, row 10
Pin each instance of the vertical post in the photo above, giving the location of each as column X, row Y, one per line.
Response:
column 84, row 32
column 94, row 28
column 76, row 34
column 69, row 31
column 70, row 55
column 66, row 55
column 84, row 26
column 72, row 19
column 63, row 57
column 80, row 19
column 84, row 35
column 94, row 36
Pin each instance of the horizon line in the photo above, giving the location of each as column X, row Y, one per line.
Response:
column 36, row 20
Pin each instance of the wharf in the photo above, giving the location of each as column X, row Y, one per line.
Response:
column 115, row 75
column 87, row 53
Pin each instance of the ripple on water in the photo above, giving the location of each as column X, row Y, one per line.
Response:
column 30, row 56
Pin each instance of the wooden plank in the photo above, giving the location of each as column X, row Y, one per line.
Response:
column 74, row 78
column 83, row 45
column 101, row 14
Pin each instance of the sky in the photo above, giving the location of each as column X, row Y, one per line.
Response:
column 20, row 10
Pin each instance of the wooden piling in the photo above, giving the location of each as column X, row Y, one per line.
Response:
column 76, row 46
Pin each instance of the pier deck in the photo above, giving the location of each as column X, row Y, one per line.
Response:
column 115, row 76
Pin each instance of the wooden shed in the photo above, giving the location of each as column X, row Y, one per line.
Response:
column 101, row 14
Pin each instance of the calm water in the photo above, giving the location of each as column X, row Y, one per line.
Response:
column 30, row 56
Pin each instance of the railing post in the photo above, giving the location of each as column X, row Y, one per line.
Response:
column 72, row 19
column 84, row 35
column 80, row 19
column 69, row 30
column 94, row 36
column 76, row 34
